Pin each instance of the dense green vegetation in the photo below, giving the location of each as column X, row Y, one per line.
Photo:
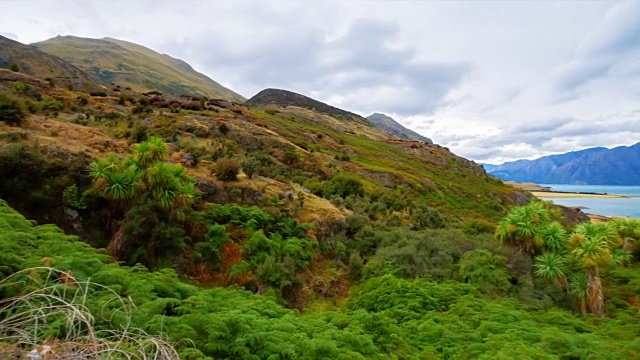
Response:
column 387, row 316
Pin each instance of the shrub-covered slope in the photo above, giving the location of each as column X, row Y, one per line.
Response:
column 385, row 318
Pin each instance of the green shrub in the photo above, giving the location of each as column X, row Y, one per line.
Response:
column 424, row 217
column 343, row 186
column 12, row 110
column 72, row 198
column 51, row 106
column 486, row 270
column 249, row 166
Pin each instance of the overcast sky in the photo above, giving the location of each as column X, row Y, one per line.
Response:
column 493, row 81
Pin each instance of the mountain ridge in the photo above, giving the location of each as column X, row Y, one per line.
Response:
column 37, row 63
column 593, row 166
column 389, row 124
column 284, row 98
column 132, row 65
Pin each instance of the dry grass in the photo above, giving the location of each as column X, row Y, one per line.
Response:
column 52, row 296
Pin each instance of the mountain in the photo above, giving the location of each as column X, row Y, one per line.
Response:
column 387, row 123
column 135, row 66
column 284, row 98
column 39, row 64
column 593, row 166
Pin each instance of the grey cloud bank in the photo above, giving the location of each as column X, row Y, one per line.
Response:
column 493, row 81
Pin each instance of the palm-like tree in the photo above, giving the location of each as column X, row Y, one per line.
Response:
column 628, row 230
column 554, row 237
column 578, row 286
column 144, row 176
column 521, row 226
column 151, row 151
column 591, row 246
column 550, row 265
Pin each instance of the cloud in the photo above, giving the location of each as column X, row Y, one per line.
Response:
column 546, row 137
column 365, row 68
column 614, row 41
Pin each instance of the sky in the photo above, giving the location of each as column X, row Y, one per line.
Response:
column 492, row 81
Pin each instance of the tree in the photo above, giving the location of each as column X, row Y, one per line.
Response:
column 550, row 265
column 628, row 230
column 151, row 193
column 554, row 237
column 591, row 245
column 14, row 67
column 521, row 227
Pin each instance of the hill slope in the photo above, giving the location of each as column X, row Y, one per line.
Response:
column 594, row 166
column 132, row 65
column 42, row 65
column 284, row 98
column 387, row 123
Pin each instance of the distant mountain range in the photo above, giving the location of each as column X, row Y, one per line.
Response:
column 135, row 66
column 594, row 166
column 387, row 123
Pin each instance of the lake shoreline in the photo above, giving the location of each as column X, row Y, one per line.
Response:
column 563, row 194
column 607, row 201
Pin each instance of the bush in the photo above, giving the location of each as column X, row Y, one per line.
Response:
column 424, row 217
column 50, row 105
column 249, row 166
column 343, row 186
column 14, row 67
column 83, row 100
column 12, row 110
column 227, row 169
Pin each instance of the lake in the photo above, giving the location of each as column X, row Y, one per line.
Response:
column 602, row 206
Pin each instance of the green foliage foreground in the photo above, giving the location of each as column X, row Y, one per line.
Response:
column 385, row 318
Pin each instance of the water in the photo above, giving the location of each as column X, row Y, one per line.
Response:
column 602, row 206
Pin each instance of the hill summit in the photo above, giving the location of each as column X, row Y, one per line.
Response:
column 387, row 123
column 286, row 98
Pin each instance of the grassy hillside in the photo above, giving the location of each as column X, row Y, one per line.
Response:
column 281, row 231
column 134, row 66
column 31, row 61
